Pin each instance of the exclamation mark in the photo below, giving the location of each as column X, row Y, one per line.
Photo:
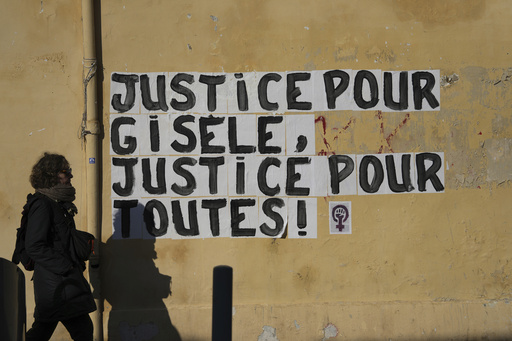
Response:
column 302, row 219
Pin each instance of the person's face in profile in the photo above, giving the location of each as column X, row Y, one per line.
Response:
column 65, row 176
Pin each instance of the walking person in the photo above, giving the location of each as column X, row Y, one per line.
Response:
column 62, row 294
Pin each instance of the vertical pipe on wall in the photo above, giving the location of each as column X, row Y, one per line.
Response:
column 91, row 135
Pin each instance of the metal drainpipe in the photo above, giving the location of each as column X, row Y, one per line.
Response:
column 91, row 138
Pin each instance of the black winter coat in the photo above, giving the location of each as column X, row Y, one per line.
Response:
column 60, row 288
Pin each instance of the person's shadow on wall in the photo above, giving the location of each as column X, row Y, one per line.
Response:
column 134, row 287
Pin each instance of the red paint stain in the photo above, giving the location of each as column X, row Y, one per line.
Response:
column 352, row 120
column 324, row 127
column 322, row 119
column 480, row 133
column 404, row 121
column 327, row 143
column 380, row 117
column 326, row 152
column 391, row 135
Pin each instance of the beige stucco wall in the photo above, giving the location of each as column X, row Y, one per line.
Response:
column 429, row 266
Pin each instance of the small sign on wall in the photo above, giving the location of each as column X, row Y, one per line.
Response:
column 340, row 217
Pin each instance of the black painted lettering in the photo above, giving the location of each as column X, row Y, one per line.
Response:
column 292, row 91
column 213, row 164
column 129, row 176
column 240, row 176
column 292, row 176
column 206, row 137
column 403, row 86
column 154, row 133
column 160, row 176
column 425, row 175
column 263, row 91
column 406, row 185
column 268, row 209
column 420, row 92
column 237, row 217
column 234, row 148
column 302, row 143
column 125, row 206
column 264, row 136
column 332, row 92
column 179, row 222
column 189, row 178
column 182, row 90
column 130, row 141
column 262, row 176
column 214, row 205
column 338, row 176
column 149, row 218
column 129, row 101
column 302, row 217
column 189, row 134
column 369, row 77
column 212, row 82
column 378, row 174
column 241, row 93
column 145, row 90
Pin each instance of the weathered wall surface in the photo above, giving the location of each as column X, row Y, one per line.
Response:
column 416, row 266
column 41, row 103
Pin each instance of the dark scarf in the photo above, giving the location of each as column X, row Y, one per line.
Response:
column 65, row 194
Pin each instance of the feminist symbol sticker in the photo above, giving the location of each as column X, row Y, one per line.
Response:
column 340, row 217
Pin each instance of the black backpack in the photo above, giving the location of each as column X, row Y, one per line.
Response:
column 20, row 253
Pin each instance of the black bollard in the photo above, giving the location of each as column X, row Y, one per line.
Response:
column 222, row 303
column 12, row 302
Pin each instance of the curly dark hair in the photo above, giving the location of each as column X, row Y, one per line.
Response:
column 45, row 172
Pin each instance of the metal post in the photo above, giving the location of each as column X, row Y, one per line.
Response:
column 12, row 302
column 222, row 303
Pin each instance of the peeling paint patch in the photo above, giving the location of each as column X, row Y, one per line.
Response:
column 269, row 334
column 346, row 50
column 447, row 81
column 433, row 13
column 297, row 326
column 40, row 130
column 330, row 331
column 499, row 159
column 381, row 55
column 215, row 20
column 505, row 77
